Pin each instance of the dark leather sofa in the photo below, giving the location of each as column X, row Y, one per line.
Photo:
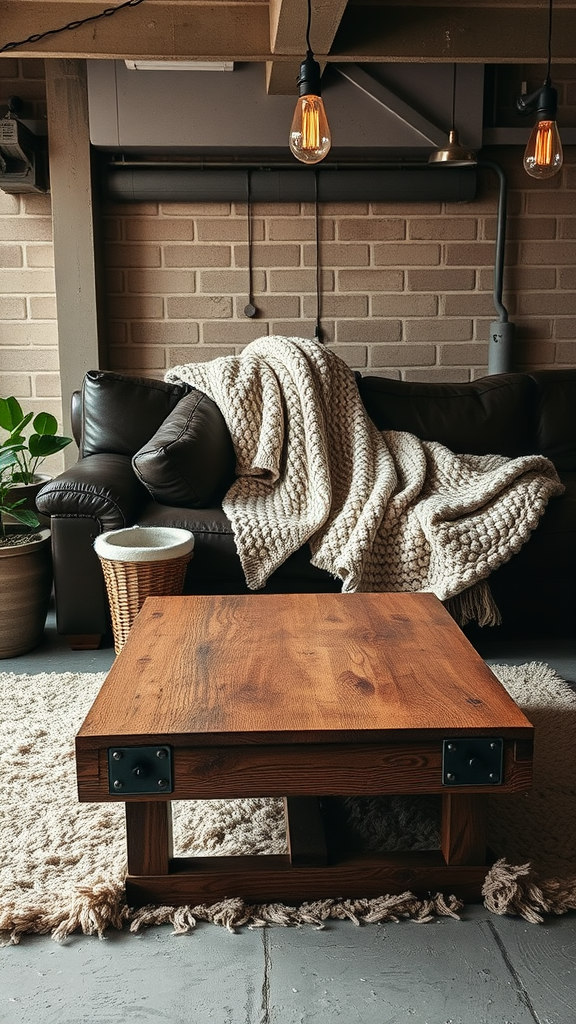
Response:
column 157, row 453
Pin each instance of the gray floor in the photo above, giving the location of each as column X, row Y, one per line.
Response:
column 480, row 970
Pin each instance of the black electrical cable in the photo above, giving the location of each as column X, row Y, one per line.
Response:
column 71, row 25
column 318, row 328
column 549, row 40
column 309, row 48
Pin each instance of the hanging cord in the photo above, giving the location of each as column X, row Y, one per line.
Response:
column 549, row 41
column 71, row 25
column 318, row 328
column 249, row 309
column 309, row 48
column 453, row 124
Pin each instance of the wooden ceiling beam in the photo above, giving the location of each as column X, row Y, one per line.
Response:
column 466, row 34
column 288, row 19
column 153, row 30
column 240, row 30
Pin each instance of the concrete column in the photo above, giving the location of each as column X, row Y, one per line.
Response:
column 75, row 223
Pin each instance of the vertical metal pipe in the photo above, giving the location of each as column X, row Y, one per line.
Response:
column 501, row 341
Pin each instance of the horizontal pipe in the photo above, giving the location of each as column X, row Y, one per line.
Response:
column 385, row 183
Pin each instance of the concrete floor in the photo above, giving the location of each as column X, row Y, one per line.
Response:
column 480, row 970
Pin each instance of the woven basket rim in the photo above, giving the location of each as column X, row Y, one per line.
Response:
column 164, row 543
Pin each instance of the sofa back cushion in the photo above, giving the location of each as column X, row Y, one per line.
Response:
column 492, row 415
column 190, row 460
column 120, row 413
column 556, row 420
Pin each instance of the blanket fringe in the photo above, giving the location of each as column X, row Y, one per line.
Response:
column 476, row 604
column 514, row 889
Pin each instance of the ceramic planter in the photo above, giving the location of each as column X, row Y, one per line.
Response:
column 25, row 586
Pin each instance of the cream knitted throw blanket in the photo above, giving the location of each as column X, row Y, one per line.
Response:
column 381, row 511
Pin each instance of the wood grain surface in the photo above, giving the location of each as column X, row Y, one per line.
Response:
column 300, row 696
column 298, row 668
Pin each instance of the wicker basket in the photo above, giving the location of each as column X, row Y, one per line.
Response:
column 145, row 562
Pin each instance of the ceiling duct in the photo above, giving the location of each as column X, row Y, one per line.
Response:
column 384, row 112
column 372, row 183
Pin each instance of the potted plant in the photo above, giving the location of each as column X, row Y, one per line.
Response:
column 25, row 559
column 29, row 451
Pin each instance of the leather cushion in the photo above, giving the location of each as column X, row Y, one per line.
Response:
column 120, row 413
column 190, row 460
column 556, row 431
column 493, row 415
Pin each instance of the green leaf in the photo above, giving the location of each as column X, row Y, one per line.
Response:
column 42, row 445
column 11, row 414
column 15, row 441
column 7, row 459
column 45, row 423
column 9, row 446
column 24, row 516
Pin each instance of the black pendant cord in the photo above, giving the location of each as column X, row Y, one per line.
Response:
column 453, row 123
column 249, row 309
column 549, row 41
column 318, row 328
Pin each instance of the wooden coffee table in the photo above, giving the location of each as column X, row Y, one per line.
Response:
column 300, row 696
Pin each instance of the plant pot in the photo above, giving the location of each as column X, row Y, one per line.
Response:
column 25, row 586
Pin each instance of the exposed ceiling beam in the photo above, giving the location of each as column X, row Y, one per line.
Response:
column 468, row 31
column 288, row 25
column 281, row 77
column 288, row 19
column 475, row 33
column 155, row 29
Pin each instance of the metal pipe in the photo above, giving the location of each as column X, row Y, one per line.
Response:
column 502, row 332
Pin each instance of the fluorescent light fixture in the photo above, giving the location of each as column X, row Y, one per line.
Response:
column 178, row 65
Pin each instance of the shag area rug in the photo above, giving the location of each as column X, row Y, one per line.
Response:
column 62, row 863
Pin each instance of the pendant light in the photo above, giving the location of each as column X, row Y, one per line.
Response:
column 453, row 154
column 543, row 155
column 310, row 138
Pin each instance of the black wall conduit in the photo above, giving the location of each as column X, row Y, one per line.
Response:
column 131, row 181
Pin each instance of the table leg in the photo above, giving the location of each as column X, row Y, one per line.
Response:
column 305, row 831
column 149, row 837
column 463, row 828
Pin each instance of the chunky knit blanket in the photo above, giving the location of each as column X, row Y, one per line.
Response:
column 381, row 511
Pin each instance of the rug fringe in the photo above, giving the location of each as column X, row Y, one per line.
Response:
column 508, row 889
column 234, row 913
column 476, row 604
column 94, row 910
column 514, row 889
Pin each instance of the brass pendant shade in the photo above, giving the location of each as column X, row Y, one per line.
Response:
column 453, row 153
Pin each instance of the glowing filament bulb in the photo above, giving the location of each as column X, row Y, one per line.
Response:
column 310, row 138
column 543, row 154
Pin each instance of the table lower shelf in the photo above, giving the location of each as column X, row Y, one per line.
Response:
column 262, row 879
column 311, row 869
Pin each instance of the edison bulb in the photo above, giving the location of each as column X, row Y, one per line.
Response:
column 310, row 138
column 543, row 154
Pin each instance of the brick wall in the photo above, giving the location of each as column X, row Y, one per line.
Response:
column 406, row 288
column 29, row 363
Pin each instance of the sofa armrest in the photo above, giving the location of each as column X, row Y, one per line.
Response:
column 103, row 488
